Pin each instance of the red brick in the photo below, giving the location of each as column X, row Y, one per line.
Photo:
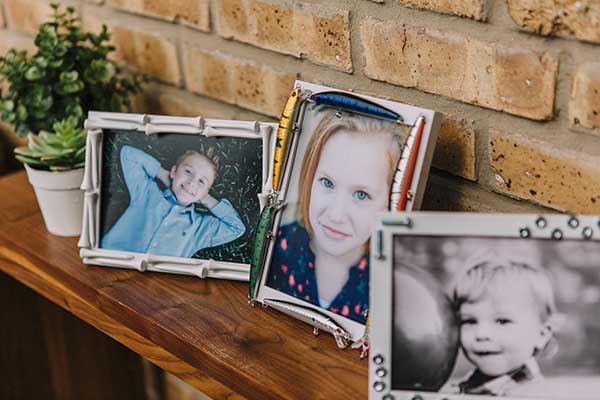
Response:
column 545, row 174
column 465, row 8
column 511, row 79
column 194, row 13
column 584, row 108
column 251, row 85
column 319, row 32
column 566, row 18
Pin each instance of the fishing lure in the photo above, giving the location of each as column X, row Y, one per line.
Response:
column 283, row 131
column 363, row 342
column 320, row 321
column 355, row 104
column 262, row 237
column 406, row 167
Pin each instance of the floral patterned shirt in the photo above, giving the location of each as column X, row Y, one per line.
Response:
column 293, row 272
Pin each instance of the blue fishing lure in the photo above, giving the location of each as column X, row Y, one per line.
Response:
column 349, row 102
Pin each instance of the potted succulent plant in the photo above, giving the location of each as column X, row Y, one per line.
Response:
column 49, row 93
column 58, row 194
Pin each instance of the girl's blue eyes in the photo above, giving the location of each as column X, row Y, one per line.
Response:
column 359, row 194
column 326, row 183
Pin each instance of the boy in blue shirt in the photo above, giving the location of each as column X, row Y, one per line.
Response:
column 164, row 222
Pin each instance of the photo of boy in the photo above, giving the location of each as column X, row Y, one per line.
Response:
column 321, row 254
column 165, row 222
column 505, row 310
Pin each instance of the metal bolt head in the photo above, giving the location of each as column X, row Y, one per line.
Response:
column 379, row 386
column 541, row 222
column 381, row 372
column 378, row 359
column 557, row 234
column 524, row 232
column 573, row 222
column 387, row 397
column 587, row 232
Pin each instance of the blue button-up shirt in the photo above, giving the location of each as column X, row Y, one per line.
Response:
column 154, row 222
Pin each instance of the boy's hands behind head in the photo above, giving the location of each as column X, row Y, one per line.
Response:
column 163, row 177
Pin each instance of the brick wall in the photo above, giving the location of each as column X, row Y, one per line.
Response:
column 518, row 81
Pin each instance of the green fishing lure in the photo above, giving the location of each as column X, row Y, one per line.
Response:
column 262, row 238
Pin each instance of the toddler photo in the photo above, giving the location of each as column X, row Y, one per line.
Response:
column 496, row 317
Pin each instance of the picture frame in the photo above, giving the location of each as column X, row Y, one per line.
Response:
column 393, row 144
column 174, row 194
column 475, row 306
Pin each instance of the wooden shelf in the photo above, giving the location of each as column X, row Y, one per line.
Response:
column 202, row 331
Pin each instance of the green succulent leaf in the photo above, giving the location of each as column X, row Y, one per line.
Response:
column 80, row 154
column 56, row 63
column 62, row 149
column 38, row 114
column 8, row 105
column 41, row 61
column 69, row 77
column 74, row 87
column 75, row 111
column 22, row 112
column 31, row 161
column 34, row 73
column 9, row 117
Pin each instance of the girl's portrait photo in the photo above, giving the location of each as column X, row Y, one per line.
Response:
column 496, row 317
column 341, row 178
column 180, row 195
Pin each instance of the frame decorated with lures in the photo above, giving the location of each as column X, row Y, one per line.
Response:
column 152, row 205
column 474, row 306
column 340, row 158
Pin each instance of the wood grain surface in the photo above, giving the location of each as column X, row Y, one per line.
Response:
column 202, row 331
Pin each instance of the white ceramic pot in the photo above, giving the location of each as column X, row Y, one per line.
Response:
column 59, row 198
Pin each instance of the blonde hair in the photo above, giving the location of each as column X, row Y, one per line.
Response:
column 329, row 125
column 208, row 153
